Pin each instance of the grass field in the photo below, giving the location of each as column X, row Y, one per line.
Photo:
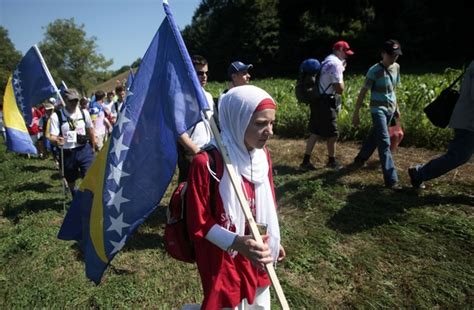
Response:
column 350, row 242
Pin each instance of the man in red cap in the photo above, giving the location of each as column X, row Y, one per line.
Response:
column 323, row 116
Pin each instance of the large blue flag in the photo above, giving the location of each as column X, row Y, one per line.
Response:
column 131, row 173
column 30, row 84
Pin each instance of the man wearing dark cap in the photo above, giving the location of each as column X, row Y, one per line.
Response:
column 71, row 129
column 239, row 75
column 323, row 113
column 382, row 80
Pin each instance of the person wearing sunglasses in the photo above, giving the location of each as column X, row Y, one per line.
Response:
column 382, row 80
column 200, row 135
column 324, row 111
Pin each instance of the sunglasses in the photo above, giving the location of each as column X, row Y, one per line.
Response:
column 201, row 73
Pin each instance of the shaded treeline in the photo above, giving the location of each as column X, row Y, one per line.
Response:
column 275, row 35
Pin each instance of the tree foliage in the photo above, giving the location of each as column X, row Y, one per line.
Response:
column 276, row 35
column 72, row 57
column 9, row 59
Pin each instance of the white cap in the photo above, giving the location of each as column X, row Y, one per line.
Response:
column 52, row 100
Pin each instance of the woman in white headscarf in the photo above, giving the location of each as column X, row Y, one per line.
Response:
column 230, row 262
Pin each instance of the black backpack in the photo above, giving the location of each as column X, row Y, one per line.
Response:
column 306, row 89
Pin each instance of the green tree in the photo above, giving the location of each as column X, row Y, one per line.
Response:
column 72, row 57
column 224, row 31
column 8, row 61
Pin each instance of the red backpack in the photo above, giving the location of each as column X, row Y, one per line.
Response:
column 176, row 239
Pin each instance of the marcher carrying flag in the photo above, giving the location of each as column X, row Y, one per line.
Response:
column 131, row 173
column 30, row 84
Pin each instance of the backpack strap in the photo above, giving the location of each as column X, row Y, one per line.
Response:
column 59, row 113
column 388, row 72
column 318, row 79
column 456, row 80
column 215, row 173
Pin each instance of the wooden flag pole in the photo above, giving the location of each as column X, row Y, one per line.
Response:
column 246, row 209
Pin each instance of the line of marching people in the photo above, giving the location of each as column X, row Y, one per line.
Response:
column 77, row 129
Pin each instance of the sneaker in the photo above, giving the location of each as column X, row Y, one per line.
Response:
column 357, row 163
column 413, row 180
column 307, row 167
column 395, row 186
column 334, row 164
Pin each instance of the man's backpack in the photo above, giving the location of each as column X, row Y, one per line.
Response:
column 307, row 84
column 176, row 238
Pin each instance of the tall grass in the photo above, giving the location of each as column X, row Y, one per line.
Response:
column 350, row 243
column 414, row 93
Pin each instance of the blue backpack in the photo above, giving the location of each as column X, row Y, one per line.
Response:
column 306, row 89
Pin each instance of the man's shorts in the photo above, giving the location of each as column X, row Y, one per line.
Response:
column 323, row 117
column 77, row 161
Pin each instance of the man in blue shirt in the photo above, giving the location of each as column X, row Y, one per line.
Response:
column 382, row 80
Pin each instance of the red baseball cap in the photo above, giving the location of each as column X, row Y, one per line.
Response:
column 344, row 46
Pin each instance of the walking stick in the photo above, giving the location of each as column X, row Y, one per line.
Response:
column 246, row 209
column 63, row 180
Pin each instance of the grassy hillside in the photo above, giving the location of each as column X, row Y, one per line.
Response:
column 350, row 242
column 112, row 83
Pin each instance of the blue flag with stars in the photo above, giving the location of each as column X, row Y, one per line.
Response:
column 131, row 173
column 29, row 85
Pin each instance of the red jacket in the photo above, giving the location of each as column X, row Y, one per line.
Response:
column 34, row 128
column 226, row 281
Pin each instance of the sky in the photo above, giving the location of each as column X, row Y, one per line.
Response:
column 123, row 28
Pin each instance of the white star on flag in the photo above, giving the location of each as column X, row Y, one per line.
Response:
column 118, row 245
column 122, row 120
column 116, row 173
column 16, row 81
column 119, row 147
column 16, row 72
column 18, row 89
column 117, row 224
column 116, row 199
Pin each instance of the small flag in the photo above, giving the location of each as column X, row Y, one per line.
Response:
column 131, row 173
column 30, row 84
column 130, row 79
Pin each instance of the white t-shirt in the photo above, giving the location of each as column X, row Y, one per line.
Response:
column 70, row 136
column 332, row 70
column 201, row 133
column 108, row 106
column 115, row 105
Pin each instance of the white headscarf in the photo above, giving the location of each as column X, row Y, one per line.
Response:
column 235, row 112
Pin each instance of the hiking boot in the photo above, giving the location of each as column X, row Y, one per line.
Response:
column 415, row 182
column 307, row 167
column 334, row 164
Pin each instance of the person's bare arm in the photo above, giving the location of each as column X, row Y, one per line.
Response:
column 90, row 133
column 188, row 144
column 338, row 87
